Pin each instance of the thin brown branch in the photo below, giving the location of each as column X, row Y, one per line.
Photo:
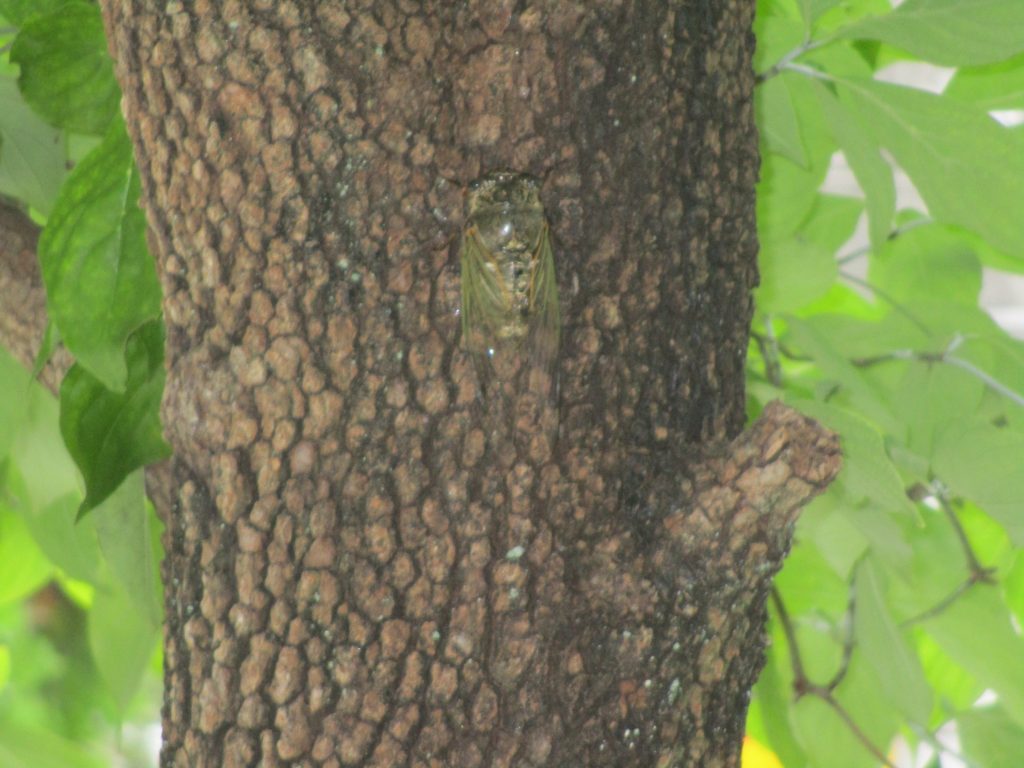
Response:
column 978, row 572
column 855, row 729
column 803, row 686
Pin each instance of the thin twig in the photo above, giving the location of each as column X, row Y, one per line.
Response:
column 948, row 358
column 785, row 61
column 799, row 678
column 978, row 572
column 862, row 737
column 992, row 383
column 940, row 606
column 803, row 686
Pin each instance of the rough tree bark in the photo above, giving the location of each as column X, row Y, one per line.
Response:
column 364, row 567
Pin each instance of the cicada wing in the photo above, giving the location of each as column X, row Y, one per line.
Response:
column 545, row 316
column 484, row 299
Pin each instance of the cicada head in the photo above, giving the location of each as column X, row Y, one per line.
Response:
column 505, row 209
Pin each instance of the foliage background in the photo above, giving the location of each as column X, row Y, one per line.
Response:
column 897, row 620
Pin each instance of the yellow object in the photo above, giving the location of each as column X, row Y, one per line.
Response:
column 757, row 755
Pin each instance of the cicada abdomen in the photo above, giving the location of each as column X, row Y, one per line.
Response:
column 509, row 290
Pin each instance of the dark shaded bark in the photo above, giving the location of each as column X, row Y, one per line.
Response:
column 368, row 562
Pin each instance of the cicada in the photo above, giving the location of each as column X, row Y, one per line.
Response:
column 509, row 291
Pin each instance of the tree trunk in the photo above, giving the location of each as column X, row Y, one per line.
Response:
column 372, row 561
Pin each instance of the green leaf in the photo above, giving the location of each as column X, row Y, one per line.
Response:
column 833, row 534
column 773, row 697
column 112, row 434
column 32, row 161
column 787, row 191
column 995, row 86
column 794, row 272
column 966, row 166
column 785, row 194
column 951, row 32
column 869, row 474
column 827, row 740
column 812, row 9
column 808, row 582
column 17, row 12
column 22, row 747
column 100, row 280
column 931, row 396
column 832, row 221
column 867, row 397
column 71, row 547
column 776, row 119
column 991, row 737
column 950, row 682
column 47, row 347
column 5, row 666
column 1013, row 584
column 846, row 13
column 975, row 630
column 928, row 263
column 124, row 525
column 122, row 639
column 66, row 73
column 777, row 36
column 983, row 463
column 25, row 568
column 884, row 647
column 871, row 170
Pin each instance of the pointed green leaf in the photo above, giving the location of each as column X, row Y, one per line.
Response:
column 966, row 166
column 25, row 568
column 111, row 434
column 975, row 630
column 122, row 639
column 991, row 737
column 949, row 32
column 24, row 747
column 776, row 119
column 124, row 526
column 928, row 263
column 794, row 272
column 950, row 682
column 871, row 170
column 870, row 482
column 995, row 86
column 100, row 280
column 863, row 393
column 886, row 650
column 17, row 12
column 32, row 160
column 827, row 740
column 929, row 397
column 66, row 73
column 983, row 463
